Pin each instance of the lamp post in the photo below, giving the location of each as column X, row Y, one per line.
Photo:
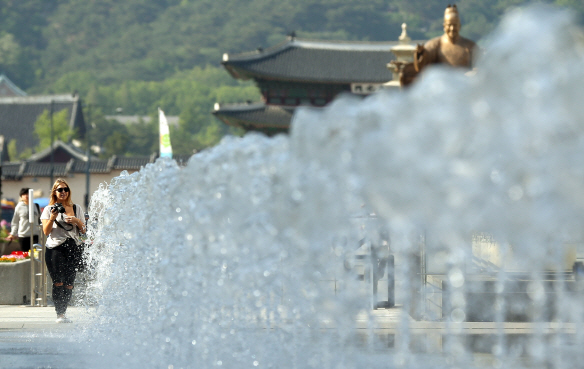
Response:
column 88, row 128
column 87, row 175
column 52, row 170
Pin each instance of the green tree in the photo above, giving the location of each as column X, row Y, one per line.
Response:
column 210, row 135
column 61, row 129
column 144, row 138
column 577, row 6
column 12, row 150
column 81, row 81
column 9, row 50
column 116, row 143
column 13, row 153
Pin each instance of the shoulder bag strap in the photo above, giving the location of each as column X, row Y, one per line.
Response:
column 38, row 208
column 72, row 226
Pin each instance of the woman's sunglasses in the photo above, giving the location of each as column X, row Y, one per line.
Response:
column 59, row 190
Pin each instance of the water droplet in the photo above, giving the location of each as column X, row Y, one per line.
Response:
column 458, row 315
column 481, row 109
column 515, row 193
column 297, row 195
column 535, row 291
column 496, row 176
column 456, row 278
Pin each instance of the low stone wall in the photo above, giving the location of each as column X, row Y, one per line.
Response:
column 7, row 247
column 15, row 283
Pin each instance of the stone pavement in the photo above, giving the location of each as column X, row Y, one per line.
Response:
column 24, row 317
column 30, row 338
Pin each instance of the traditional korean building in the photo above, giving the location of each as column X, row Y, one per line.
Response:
column 38, row 172
column 303, row 72
column 9, row 89
column 18, row 115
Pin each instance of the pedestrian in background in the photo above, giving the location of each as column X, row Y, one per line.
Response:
column 20, row 227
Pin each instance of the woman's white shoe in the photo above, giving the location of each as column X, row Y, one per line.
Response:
column 63, row 319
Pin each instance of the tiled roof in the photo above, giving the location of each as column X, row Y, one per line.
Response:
column 11, row 170
column 44, row 169
column 68, row 152
column 95, row 166
column 257, row 115
column 134, row 163
column 7, row 88
column 17, row 170
column 182, row 160
column 18, row 115
column 316, row 61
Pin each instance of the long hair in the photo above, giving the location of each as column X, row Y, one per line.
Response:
column 53, row 196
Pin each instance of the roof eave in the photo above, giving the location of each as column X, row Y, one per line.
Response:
column 245, row 74
column 241, row 123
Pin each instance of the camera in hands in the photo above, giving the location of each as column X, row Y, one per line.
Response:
column 60, row 208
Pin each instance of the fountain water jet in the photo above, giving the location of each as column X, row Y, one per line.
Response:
column 239, row 259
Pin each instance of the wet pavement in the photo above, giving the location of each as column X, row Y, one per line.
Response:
column 31, row 338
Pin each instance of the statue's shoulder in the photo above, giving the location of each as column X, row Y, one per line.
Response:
column 465, row 42
column 433, row 43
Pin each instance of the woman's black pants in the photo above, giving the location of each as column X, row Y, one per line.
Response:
column 62, row 266
column 25, row 242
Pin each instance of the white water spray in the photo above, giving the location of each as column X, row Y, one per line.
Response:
column 239, row 259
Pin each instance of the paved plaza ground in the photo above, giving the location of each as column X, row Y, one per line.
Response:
column 30, row 338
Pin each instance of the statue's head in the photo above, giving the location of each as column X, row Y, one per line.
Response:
column 451, row 22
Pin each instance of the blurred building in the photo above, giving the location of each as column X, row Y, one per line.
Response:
column 71, row 164
column 303, row 72
column 9, row 89
column 18, row 115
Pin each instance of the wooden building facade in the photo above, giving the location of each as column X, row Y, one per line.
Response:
column 303, row 73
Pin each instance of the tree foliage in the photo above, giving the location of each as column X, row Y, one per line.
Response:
column 13, row 152
column 150, row 40
column 60, row 128
column 188, row 94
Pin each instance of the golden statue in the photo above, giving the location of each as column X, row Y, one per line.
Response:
column 450, row 48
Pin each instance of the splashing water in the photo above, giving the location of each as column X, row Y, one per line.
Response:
column 242, row 258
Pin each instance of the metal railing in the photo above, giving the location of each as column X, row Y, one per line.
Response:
column 38, row 268
column 374, row 260
column 38, row 276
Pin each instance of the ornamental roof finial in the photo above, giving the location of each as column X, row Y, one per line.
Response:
column 404, row 38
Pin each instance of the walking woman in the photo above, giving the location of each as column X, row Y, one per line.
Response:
column 62, row 224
